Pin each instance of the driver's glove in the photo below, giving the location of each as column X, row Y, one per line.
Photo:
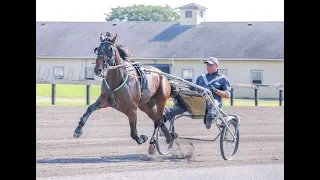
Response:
column 212, row 88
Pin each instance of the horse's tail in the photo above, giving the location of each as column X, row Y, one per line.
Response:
column 174, row 90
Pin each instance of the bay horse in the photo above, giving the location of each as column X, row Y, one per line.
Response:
column 122, row 91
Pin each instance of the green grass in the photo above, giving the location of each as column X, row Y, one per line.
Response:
column 79, row 92
column 67, row 91
column 250, row 102
column 61, row 103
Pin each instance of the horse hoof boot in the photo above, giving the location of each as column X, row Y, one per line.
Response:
column 143, row 138
column 152, row 149
column 77, row 133
column 175, row 135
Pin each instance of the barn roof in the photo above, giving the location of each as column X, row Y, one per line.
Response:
column 192, row 6
column 254, row 40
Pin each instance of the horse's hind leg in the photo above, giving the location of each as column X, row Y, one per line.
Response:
column 154, row 109
column 132, row 116
column 160, row 100
column 98, row 104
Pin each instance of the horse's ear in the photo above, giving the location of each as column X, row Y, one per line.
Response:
column 114, row 38
column 102, row 37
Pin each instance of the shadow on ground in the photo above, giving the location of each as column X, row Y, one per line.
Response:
column 110, row 159
column 198, row 139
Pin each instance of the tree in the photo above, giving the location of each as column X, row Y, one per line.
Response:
column 142, row 13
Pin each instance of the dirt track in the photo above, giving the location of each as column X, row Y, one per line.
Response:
column 106, row 150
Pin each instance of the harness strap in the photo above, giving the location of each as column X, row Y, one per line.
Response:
column 213, row 80
column 141, row 76
column 112, row 91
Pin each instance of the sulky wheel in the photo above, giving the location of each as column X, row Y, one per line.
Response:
column 229, row 144
column 162, row 146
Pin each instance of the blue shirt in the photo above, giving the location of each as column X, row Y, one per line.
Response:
column 216, row 79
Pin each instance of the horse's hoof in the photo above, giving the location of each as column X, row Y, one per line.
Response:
column 143, row 139
column 175, row 135
column 77, row 133
column 152, row 149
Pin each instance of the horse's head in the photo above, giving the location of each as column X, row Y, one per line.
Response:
column 106, row 53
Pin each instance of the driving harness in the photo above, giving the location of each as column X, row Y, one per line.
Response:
column 137, row 66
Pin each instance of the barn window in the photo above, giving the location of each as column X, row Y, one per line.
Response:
column 224, row 72
column 187, row 74
column 188, row 14
column 58, row 72
column 201, row 14
column 89, row 73
column 256, row 76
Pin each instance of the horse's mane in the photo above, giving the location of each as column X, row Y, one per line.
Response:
column 124, row 52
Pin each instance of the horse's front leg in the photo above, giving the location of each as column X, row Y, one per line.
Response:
column 132, row 116
column 98, row 104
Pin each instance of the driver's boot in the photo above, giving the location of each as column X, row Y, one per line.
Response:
column 210, row 117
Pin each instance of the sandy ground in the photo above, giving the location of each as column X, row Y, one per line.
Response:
column 106, row 151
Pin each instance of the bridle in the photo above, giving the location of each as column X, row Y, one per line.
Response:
column 104, row 55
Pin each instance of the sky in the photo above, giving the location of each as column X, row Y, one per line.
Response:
column 218, row 10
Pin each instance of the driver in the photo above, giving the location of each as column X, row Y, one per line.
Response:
column 217, row 83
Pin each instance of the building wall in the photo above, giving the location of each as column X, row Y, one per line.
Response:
column 238, row 72
column 196, row 19
column 74, row 69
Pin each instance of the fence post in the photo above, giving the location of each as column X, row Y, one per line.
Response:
column 88, row 94
column 231, row 97
column 280, row 97
column 256, row 96
column 53, row 94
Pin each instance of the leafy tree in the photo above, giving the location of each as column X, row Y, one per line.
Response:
column 142, row 13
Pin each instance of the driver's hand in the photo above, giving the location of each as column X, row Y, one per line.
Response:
column 212, row 88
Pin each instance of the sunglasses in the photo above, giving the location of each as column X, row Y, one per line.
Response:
column 210, row 64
